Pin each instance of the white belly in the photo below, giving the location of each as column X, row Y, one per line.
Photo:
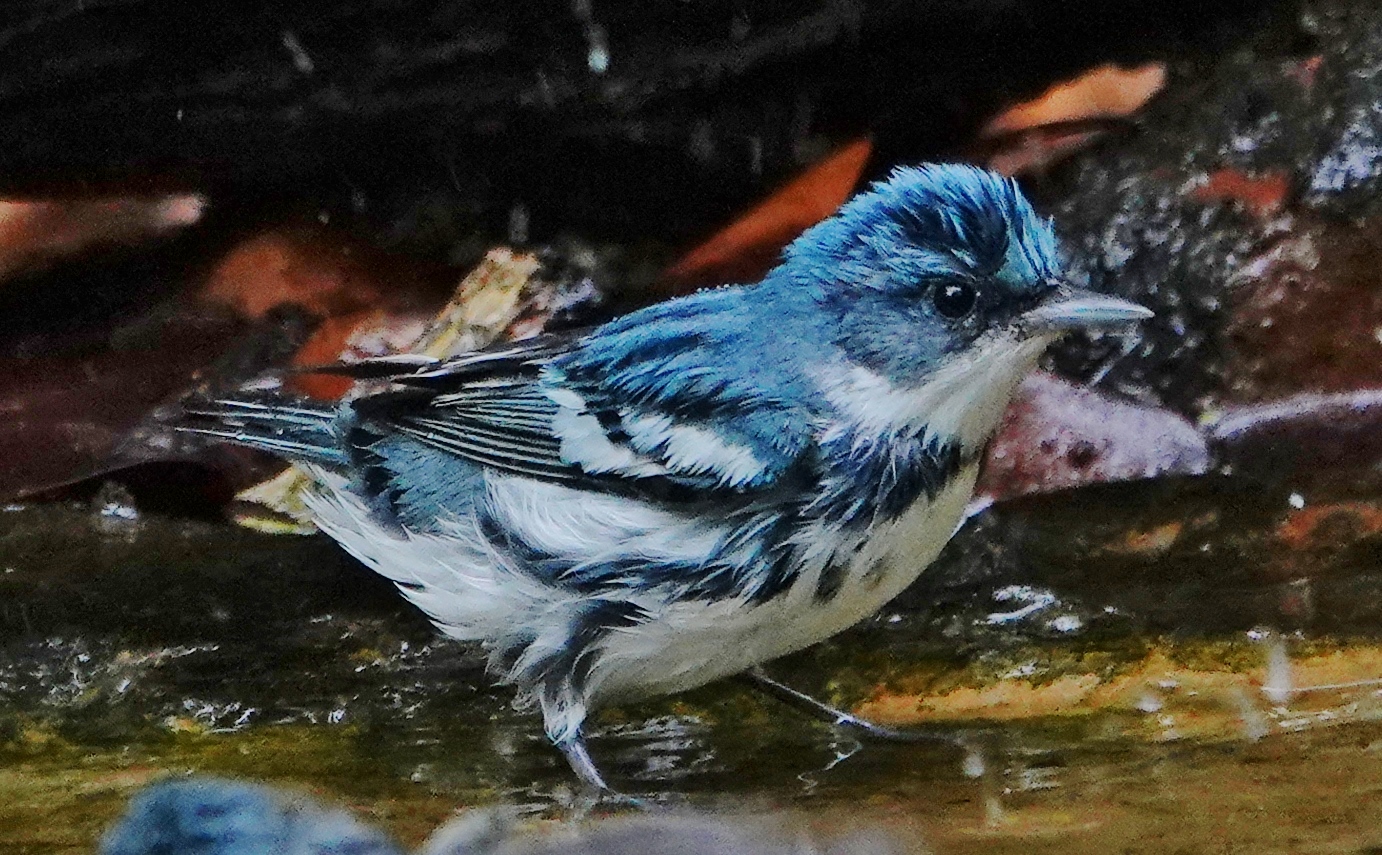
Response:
column 691, row 643
column 472, row 593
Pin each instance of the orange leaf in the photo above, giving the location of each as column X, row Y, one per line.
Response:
column 1262, row 196
column 1305, row 71
column 318, row 271
column 33, row 234
column 1038, row 148
column 1067, row 117
column 328, row 340
column 749, row 247
column 1104, row 92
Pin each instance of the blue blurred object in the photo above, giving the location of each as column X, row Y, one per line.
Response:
column 211, row 816
column 706, row 484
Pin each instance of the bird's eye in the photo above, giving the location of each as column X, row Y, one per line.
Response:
column 954, row 300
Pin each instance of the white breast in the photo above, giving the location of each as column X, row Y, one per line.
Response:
column 692, row 643
column 964, row 399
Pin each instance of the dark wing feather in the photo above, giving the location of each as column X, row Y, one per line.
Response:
column 573, row 411
column 485, row 407
column 506, row 360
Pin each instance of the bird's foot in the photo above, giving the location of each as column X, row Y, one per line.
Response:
column 598, row 793
column 831, row 715
column 582, row 765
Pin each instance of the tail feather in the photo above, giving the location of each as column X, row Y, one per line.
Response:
column 298, row 430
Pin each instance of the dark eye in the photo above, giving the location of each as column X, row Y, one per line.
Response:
column 954, row 300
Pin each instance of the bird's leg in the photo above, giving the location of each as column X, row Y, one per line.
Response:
column 584, row 767
column 826, row 713
column 579, row 758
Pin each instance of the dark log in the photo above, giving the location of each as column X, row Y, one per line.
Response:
column 620, row 117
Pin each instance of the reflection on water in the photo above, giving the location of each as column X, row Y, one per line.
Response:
column 1302, row 773
column 1146, row 671
column 1067, row 787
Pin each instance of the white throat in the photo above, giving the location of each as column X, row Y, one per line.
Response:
column 964, row 399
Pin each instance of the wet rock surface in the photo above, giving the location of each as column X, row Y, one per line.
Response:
column 1057, row 435
column 1107, row 628
column 1239, row 209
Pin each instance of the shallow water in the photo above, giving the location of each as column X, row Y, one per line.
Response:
column 1044, row 787
column 1161, row 669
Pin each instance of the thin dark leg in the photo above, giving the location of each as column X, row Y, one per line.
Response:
column 826, row 713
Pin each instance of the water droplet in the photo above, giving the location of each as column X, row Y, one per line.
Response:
column 1277, row 686
column 974, row 764
column 301, row 60
column 994, row 815
column 1066, row 624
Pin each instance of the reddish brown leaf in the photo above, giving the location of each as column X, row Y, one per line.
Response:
column 1036, row 134
column 320, row 271
column 355, row 335
column 1035, row 149
column 1263, row 196
column 1332, row 525
column 1104, row 92
column 747, row 248
column 1306, row 71
column 35, row 234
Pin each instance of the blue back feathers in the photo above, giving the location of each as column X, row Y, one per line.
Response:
column 855, row 288
column 727, row 359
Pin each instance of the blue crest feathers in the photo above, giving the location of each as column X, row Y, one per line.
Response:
column 930, row 221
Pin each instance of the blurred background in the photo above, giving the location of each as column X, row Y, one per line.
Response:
column 1162, row 632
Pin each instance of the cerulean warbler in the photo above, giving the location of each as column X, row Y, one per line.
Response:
column 706, row 484
column 214, row 816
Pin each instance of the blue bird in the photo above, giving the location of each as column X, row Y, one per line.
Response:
column 703, row 485
column 213, row 816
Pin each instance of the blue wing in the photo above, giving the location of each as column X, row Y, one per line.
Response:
column 670, row 397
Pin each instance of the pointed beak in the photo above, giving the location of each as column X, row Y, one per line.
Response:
column 1068, row 309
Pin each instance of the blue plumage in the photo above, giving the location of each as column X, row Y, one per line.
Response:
column 924, row 223
column 213, row 816
column 705, row 484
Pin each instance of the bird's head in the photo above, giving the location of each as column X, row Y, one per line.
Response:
column 936, row 261
column 943, row 273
